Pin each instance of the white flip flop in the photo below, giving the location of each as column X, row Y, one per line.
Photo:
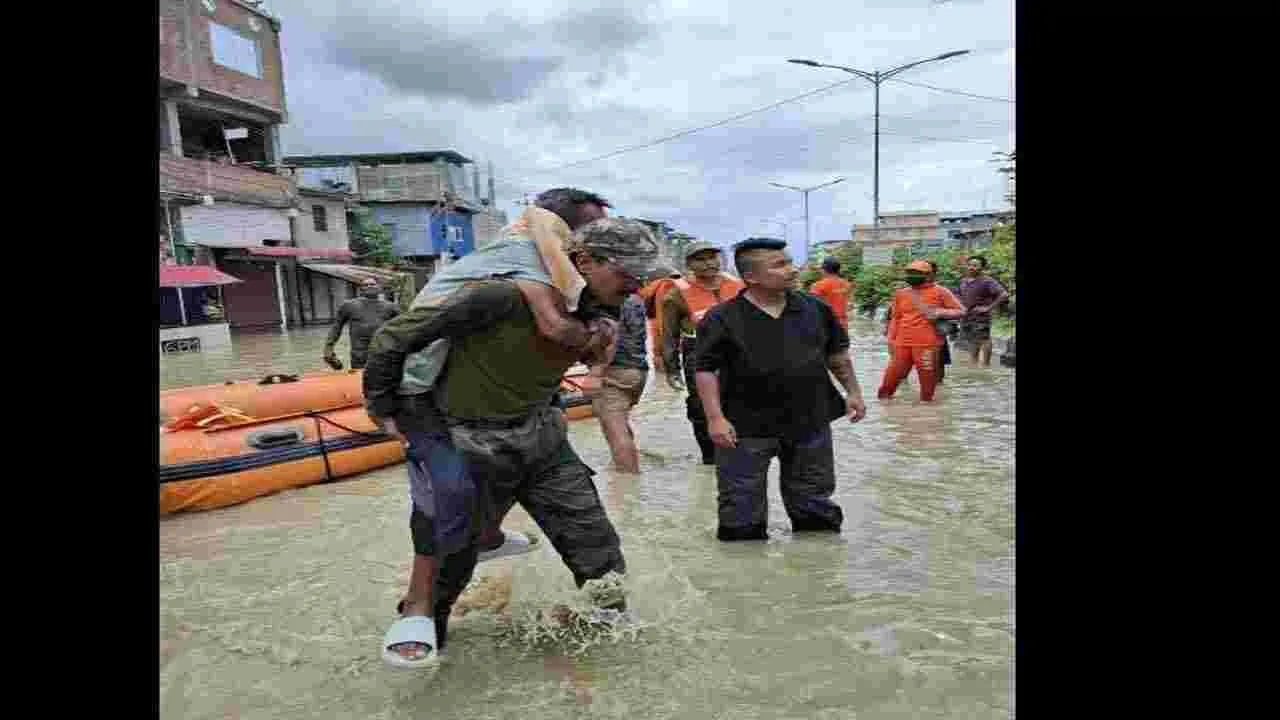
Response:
column 417, row 629
column 513, row 543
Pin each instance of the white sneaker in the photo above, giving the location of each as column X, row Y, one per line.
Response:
column 513, row 543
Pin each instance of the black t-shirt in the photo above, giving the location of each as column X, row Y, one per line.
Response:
column 773, row 371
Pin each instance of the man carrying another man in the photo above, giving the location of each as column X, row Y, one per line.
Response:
column 495, row 397
column 683, row 307
column 762, row 374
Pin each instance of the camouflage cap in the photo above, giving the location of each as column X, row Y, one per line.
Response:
column 628, row 243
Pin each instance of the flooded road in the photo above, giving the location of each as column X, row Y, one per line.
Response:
column 276, row 608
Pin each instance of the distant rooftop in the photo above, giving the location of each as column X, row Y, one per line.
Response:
column 405, row 158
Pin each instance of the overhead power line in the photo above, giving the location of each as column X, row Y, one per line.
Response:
column 700, row 128
column 954, row 92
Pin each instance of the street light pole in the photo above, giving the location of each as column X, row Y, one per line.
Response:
column 876, row 77
column 805, row 192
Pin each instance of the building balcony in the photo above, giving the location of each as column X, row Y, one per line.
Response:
column 225, row 182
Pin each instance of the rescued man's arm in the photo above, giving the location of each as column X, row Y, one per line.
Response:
column 475, row 307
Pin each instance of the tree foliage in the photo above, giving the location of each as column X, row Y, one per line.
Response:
column 371, row 242
column 874, row 284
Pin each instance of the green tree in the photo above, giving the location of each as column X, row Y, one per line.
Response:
column 371, row 242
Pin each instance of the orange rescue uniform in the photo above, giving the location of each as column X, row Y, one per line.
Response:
column 835, row 292
column 915, row 340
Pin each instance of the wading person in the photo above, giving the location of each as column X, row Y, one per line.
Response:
column 762, row 373
column 442, row 493
column 943, row 327
column 495, row 396
column 651, row 294
column 980, row 294
column 683, row 307
column 622, row 383
column 365, row 314
column 834, row 290
column 913, row 332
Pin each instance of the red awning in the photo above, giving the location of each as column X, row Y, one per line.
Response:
column 299, row 252
column 181, row 276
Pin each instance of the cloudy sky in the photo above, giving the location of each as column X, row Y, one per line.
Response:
column 544, row 89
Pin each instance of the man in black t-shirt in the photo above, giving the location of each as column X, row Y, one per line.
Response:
column 761, row 371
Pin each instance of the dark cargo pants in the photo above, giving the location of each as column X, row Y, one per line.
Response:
column 807, row 483
column 533, row 464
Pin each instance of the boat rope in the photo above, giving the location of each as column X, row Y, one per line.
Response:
column 324, row 453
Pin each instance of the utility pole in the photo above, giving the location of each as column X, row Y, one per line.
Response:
column 805, row 192
column 875, row 78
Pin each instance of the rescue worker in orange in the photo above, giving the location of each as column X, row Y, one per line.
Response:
column 834, row 290
column 651, row 294
column 912, row 334
column 682, row 307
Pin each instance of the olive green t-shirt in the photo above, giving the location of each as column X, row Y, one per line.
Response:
column 499, row 368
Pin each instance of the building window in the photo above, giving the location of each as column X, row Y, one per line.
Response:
column 318, row 218
column 235, row 51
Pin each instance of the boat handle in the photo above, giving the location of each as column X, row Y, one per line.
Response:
column 267, row 439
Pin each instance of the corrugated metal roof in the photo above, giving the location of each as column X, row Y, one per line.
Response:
column 184, row 276
column 351, row 273
column 422, row 156
column 281, row 251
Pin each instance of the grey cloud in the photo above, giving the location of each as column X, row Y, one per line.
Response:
column 500, row 60
column 602, row 30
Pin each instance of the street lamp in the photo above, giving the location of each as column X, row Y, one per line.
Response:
column 876, row 77
column 805, row 192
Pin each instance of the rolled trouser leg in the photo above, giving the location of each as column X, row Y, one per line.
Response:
column 807, row 482
column 440, row 484
column 562, row 499
column 741, row 472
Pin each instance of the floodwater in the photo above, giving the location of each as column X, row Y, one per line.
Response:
column 276, row 608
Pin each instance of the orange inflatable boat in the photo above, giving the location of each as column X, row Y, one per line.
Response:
column 227, row 444
column 272, row 396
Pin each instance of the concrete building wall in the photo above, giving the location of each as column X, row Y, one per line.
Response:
column 335, row 214
column 417, row 183
column 232, row 224
column 416, row 231
column 186, row 52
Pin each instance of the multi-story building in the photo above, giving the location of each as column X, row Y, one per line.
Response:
column 924, row 231
column 919, row 230
column 969, row 230
column 225, row 202
column 422, row 198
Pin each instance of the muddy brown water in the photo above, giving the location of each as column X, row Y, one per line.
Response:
column 276, row 608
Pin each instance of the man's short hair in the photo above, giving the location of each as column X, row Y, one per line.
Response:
column 744, row 253
column 933, row 265
column 981, row 260
column 565, row 202
column 831, row 265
